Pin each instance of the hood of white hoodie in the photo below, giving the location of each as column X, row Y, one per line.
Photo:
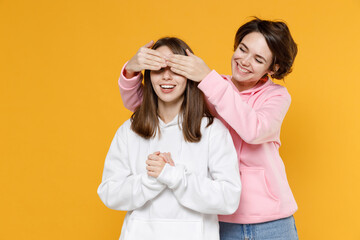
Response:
column 173, row 123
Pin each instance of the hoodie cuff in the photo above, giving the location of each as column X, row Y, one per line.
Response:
column 171, row 175
column 151, row 182
column 129, row 83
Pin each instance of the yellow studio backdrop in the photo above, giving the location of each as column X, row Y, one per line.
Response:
column 60, row 105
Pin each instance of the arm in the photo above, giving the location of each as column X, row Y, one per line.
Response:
column 218, row 193
column 120, row 189
column 130, row 89
column 131, row 77
column 254, row 126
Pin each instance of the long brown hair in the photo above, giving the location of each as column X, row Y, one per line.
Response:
column 279, row 40
column 145, row 120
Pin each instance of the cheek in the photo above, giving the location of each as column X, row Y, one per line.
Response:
column 232, row 60
column 234, row 56
column 237, row 54
column 183, row 85
column 153, row 84
column 259, row 68
column 154, row 78
column 266, row 70
column 181, row 80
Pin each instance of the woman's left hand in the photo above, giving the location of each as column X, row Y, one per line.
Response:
column 156, row 162
column 191, row 66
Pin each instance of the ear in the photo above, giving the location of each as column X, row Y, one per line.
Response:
column 275, row 69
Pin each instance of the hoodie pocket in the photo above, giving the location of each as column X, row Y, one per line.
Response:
column 163, row 229
column 256, row 199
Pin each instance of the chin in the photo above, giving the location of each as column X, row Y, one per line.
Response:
column 238, row 78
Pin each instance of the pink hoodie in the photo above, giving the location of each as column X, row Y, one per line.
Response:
column 254, row 119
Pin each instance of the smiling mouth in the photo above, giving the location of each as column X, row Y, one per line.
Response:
column 167, row 86
column 241, row 69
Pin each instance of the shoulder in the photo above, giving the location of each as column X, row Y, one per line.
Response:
column 124, row 129
column 218, row 124
column 277, row 88
column 274, row 91
column 216, row 128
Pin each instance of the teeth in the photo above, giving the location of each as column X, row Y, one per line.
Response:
column 167, row 86
column 243, row 70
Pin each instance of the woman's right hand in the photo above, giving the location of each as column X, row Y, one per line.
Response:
column 167, row 157
column 156, row 162
column 145, row 58
column 192, row 67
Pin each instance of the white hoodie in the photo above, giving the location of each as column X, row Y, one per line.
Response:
column 183, row 202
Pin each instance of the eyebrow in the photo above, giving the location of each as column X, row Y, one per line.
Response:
column 256, row 55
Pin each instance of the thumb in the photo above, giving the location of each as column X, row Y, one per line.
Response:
column 189, row 53
column 171, row 162
column 149, row 44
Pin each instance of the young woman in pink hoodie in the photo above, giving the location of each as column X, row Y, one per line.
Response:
column 253, row 108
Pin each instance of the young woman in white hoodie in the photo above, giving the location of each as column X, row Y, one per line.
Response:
column 172, row 166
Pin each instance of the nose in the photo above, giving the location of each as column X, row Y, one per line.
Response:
column 167, row 74
column 245, row 60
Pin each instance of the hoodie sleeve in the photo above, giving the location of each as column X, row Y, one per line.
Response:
column 120, row 189
column 254, row 126
column 217, row 193
column 131, row 90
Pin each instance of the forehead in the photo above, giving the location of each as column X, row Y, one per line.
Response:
column 256, row 43
column 165, row 50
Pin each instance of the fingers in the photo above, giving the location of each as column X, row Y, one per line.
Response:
column 154, row 163
column 164, row 155
column 154, row 167
column 191, row 67
column 149, row 44
column 152, row 66
column 182, row 65
column 151, row 168
column 169, row 159
column 181, row 68
column 146, row 59
column 189, row 53
column 180, row 59
column 153, row 171
column 152, row 174
column 153, row 55
column 156, row 157
column 159, row 159
column 180, row 71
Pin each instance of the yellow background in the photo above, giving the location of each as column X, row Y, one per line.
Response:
column 60, row 105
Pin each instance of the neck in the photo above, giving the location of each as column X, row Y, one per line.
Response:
column 168, row 111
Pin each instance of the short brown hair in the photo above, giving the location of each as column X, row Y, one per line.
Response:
column 279, row 40
column 145, row 120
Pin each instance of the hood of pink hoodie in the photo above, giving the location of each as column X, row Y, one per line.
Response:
column 246, row 94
